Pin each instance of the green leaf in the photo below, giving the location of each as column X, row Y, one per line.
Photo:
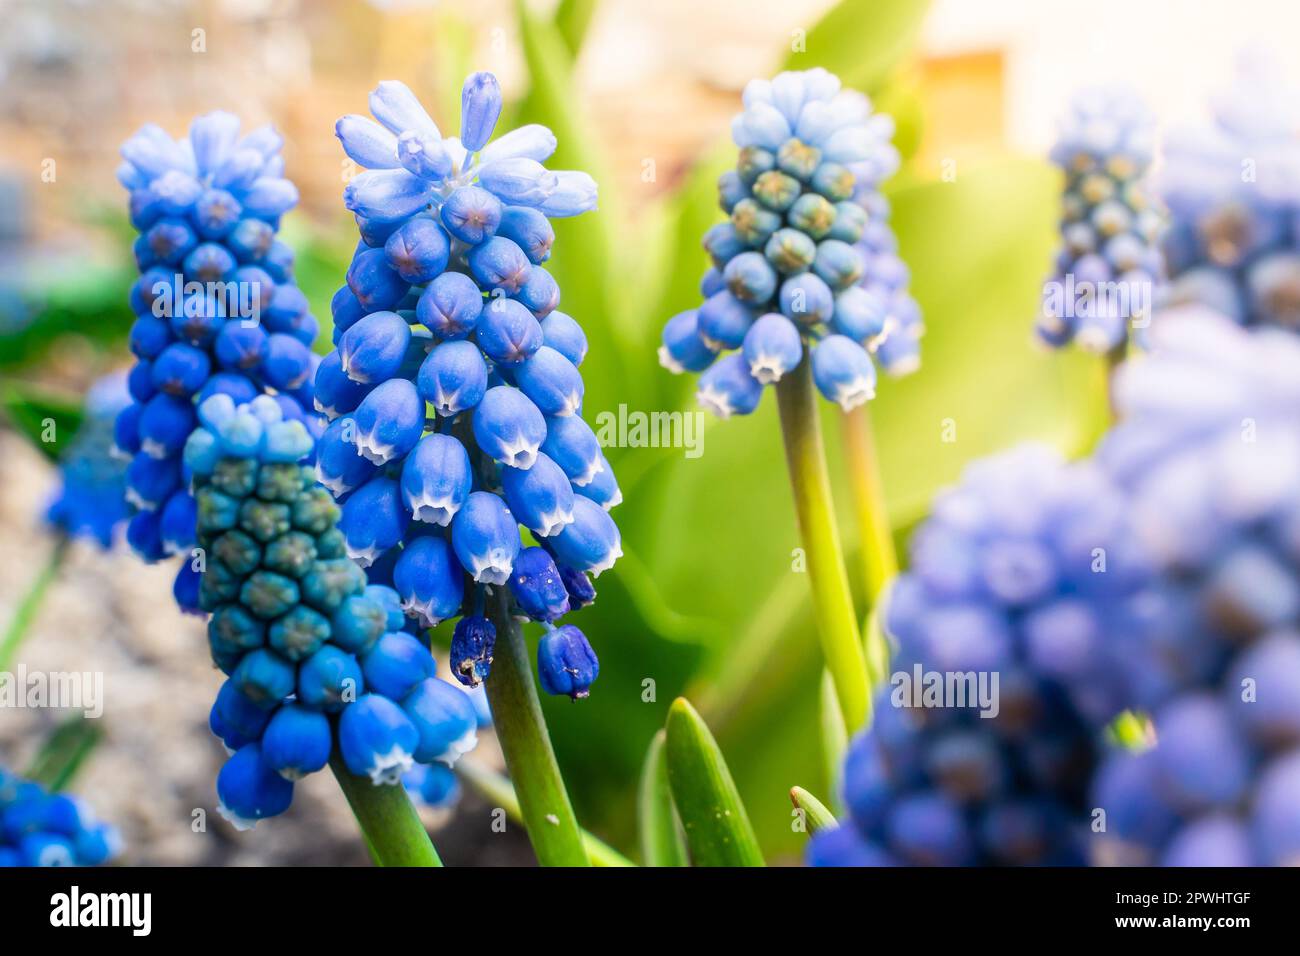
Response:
column 862, row 41
column 816, row 816
column 661, row 838
column 64, row 751
column 29, row 606
column 717, row 827
column 572, row 18
column 48, row 419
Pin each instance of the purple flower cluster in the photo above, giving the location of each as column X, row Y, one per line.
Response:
column 91, row 500
column 217, row 311
column 982, row 748
column 1208, row 450
column 1160, row 582
column 1108, row 268
column 38, row 828
column 1233, row 191
column 316, row 661
column 448, row 306
column 806, row 260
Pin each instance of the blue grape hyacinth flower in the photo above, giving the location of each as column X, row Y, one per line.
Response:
column 91, row 500
column 1232, row 187
column 1108, row 269
column 39, row 828
column 316, row 660
column 807, row 261
column 217, row 310
column 1208, row 448
column 454, row 392
column 1004, row 675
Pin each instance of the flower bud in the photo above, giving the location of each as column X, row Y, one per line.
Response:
column 727, row 388
column 429, row 581
column 480, row 107
column 249, row 790
column 508, row 427
column 297, row 742
column 471, row 649
column 376, row 739
column 541, row 497
column 485, row 537
column 566, row 664
column 536, row 586
column 843, row 371
column 772, row 347
column 444, row 720
column 590, row 542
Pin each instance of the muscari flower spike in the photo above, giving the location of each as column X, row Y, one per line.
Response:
column 447, row 307
column 1108, row 269
column 39, row 828
column 91, row 500
column 1022, row 573
column 1232, row 188
column 217, row 310
column 316, row 659
column 807, row 260
column 1208, row 448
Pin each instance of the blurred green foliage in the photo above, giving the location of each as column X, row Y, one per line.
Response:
column 705, row 601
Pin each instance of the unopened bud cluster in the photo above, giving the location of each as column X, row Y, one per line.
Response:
column 1108, row 268
column 316, row 661
column 39, row 828
column 217, row 310
column 806, row 260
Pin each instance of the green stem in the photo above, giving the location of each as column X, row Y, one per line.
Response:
column 517, row 716
column 31, row 604
column 837, row 622
column 879, row 559
column 500, row 791
column 391, row 827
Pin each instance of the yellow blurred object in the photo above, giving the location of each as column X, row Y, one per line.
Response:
column 965, row 110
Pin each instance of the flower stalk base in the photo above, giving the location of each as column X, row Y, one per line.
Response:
column 517, row 716
column 392, row 829
column 836, row 618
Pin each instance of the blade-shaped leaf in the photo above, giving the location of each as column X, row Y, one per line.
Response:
column 815, row 815
column 64, row 751
column 717, row 827
column 572, row 18
column 660, row 833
